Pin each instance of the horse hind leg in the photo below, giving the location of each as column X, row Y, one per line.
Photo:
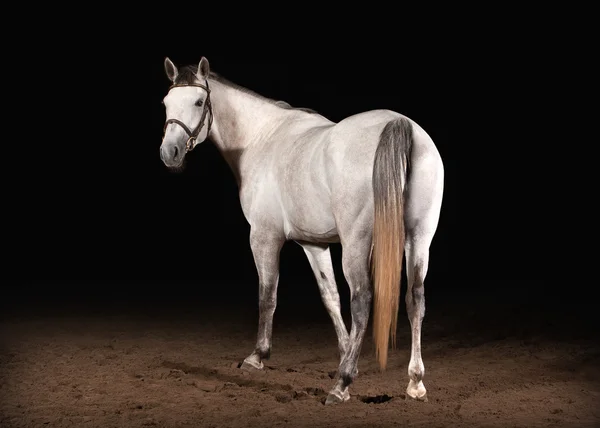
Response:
column 355, row 263
column 319, row 257
column 422, row 215
column 417, row 257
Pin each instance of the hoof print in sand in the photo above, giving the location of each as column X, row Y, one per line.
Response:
column 376, row 399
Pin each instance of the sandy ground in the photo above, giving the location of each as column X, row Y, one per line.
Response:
column 509, row 367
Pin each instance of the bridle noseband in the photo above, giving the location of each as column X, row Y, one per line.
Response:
column 207, row 107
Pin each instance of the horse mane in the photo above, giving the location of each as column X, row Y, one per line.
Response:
column 187, row 76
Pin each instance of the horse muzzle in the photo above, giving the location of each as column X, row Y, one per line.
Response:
column 172, row 154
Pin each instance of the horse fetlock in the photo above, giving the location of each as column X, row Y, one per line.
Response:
column 348, row 375
column 264, row 353
column 416, row 371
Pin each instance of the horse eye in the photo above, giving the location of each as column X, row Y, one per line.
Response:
column 199, row 103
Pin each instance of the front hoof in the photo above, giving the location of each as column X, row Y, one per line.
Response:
column 252, row 363
column 334, row 397
column 416, row 391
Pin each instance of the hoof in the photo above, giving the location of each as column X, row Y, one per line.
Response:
column 250, row 365
column 334, row 397
column 416, row 391
column 422, row 398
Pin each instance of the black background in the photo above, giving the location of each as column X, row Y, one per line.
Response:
column 98, row 220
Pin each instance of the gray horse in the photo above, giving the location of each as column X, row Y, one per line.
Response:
column 372, row 182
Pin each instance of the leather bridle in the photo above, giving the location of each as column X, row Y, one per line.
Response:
column 207, row 108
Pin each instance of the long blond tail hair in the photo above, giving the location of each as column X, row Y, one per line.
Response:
column 390, row 175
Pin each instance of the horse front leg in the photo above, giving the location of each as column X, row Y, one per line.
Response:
column 266, row 248
column 319, row 257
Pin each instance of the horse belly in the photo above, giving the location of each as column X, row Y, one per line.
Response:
column 306, row 194
column 312, row 222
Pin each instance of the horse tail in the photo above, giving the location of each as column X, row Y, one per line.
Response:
column 390, row 175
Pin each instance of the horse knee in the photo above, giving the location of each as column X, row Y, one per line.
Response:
column 267, row 305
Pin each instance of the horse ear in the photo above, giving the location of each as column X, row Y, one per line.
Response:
column 170, row 69
column 203, row 69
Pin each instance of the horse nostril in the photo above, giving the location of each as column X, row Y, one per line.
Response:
column 175, row 152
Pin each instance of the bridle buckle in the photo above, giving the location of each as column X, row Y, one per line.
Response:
column 189, row 145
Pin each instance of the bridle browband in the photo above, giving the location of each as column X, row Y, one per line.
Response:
column 207, row 107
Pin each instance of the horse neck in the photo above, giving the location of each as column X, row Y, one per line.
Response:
column 241, row 119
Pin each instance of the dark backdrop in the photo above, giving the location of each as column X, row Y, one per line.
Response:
column 97, row 218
